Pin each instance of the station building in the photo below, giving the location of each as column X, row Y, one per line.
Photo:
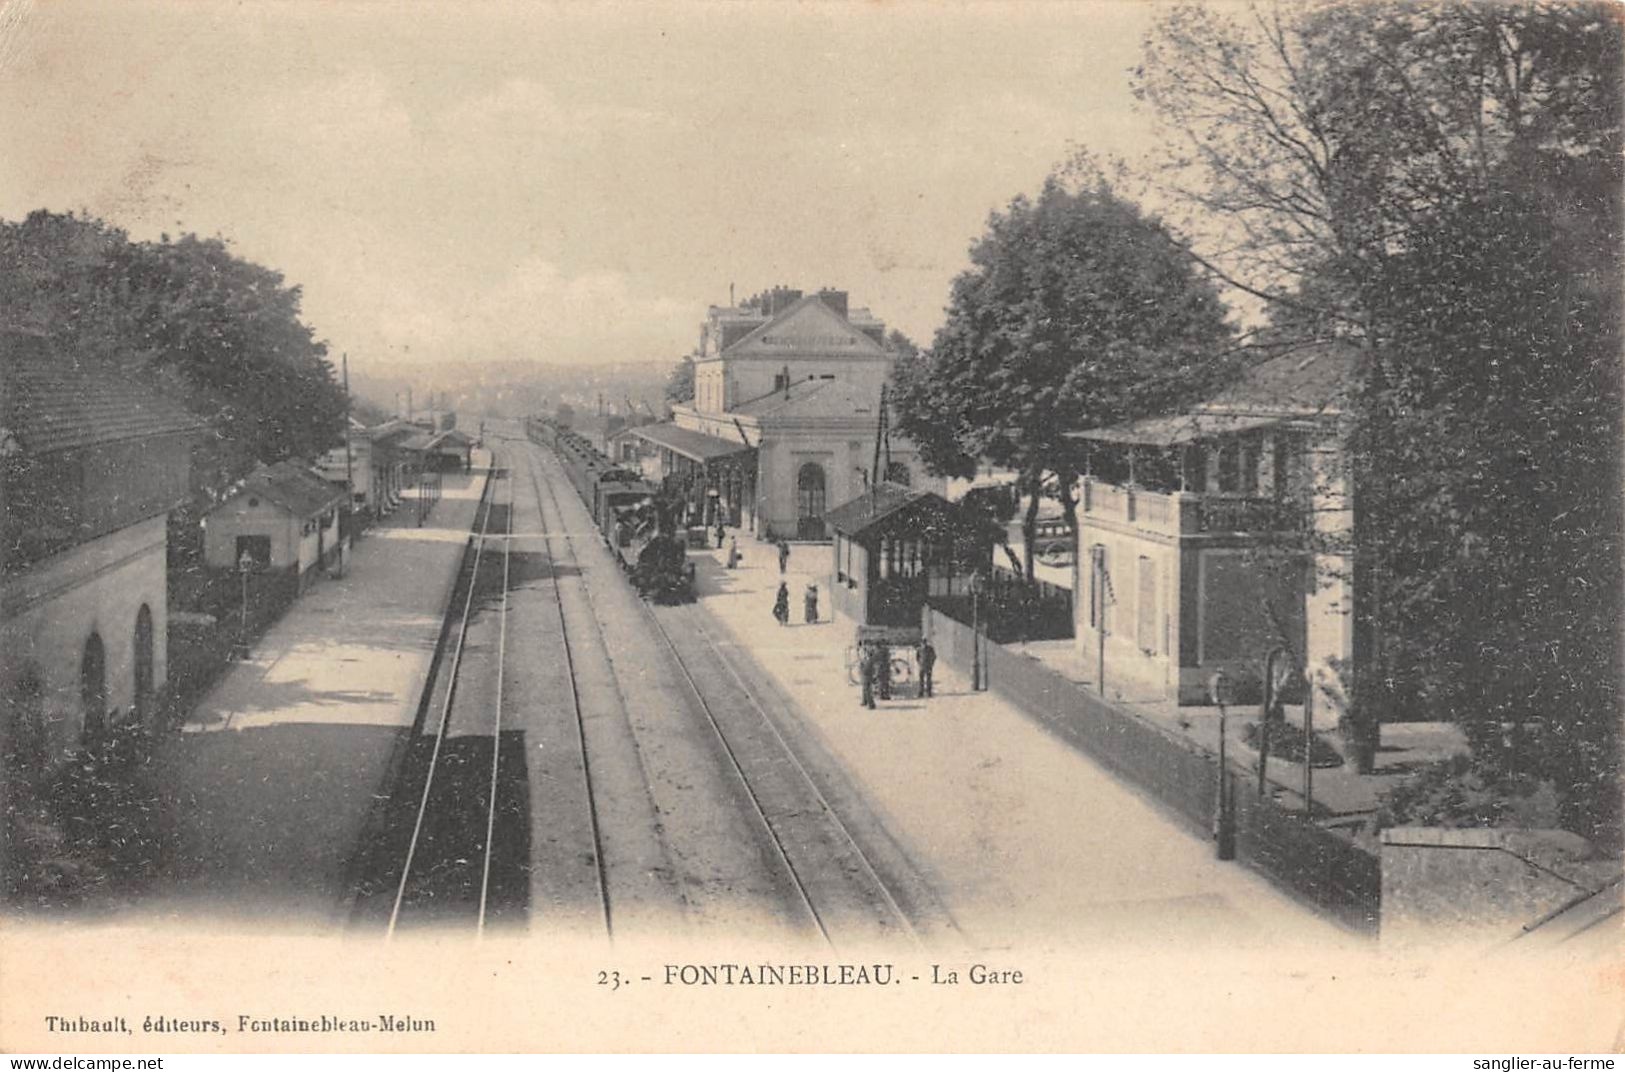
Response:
column 1194, row 535
column 92, row 460
column 282, row 519
column 782, row 426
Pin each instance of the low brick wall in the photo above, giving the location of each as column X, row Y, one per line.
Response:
column 1330, row 872
column 1480, row 886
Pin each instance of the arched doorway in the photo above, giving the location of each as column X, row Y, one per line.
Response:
column 897, row 473
column 93, row 687
column 810, row 502
column 143, row 663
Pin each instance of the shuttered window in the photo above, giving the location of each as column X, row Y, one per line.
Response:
column 1145, row 607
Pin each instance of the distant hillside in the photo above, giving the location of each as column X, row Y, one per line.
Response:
column 516, row 388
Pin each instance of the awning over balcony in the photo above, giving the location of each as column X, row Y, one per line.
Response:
column 689, row 443
column 1178, row 429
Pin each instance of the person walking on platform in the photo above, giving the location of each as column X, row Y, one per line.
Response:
column 810, row 604
column 866, row 675
column 883, row 669
column 721, row 532
column 733, row 553
column 784, row 556
column 781, row 604
column 928, row 659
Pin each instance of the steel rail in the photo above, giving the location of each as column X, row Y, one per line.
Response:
column 496, row 729
column 445, row 711
column 744, row 781
column 575, row 694
column 795, row 760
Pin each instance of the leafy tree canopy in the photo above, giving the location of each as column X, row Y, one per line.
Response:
column 224, row 331
column 1079, row 310
column 1441, row 184
column 680, row 384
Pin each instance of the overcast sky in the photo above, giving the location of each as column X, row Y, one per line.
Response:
column 561, row 183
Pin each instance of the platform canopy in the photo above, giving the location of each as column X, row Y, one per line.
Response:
column 1178, row 429
column 689, row 443
column 894, row 511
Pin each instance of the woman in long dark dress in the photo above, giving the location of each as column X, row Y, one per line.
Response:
column 781, row 605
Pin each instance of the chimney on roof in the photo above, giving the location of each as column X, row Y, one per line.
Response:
column 835, row 299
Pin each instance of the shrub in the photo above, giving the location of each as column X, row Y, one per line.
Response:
column 1286, row 742
column 1457, row 793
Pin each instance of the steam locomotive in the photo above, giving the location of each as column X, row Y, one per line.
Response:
column 628, row 511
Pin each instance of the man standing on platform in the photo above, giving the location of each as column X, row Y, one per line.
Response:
column 928, row 659
column 784, row 555
column 866, row 675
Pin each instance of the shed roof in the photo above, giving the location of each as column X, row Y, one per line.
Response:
column 51, row 401
column 292, row 487
column 689, row 443
column 889, row 507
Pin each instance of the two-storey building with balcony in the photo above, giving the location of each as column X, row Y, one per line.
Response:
column 1207, row 538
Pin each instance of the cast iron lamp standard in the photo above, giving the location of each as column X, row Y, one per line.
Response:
column 244, row 563
column 1224, row 822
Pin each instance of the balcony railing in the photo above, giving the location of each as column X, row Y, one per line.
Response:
column 1185, row 513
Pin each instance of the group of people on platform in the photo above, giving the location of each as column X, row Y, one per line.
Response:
column 875, row 663
column 875, row 670
column 809, row 604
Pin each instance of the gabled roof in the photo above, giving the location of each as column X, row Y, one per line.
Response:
column 812, row 398
column 292, row 487
column 51, row 401
column 417, row 440
column 895, row 508
column 1180, row 428
column 1304, row 381
column 807, row 325
column 453, row 437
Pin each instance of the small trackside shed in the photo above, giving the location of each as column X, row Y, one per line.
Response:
column 894, row 546
column 282, row 518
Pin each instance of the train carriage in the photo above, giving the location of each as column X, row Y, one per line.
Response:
column 626, row 510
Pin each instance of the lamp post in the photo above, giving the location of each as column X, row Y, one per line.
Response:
column 1266, row 718
column 975, row 633
column 245, row 562
column 1224, row 826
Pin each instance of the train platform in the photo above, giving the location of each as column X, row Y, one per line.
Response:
column 1030, row 843
column 268, row 786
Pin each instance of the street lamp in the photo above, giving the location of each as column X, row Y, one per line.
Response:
column 1224, row 822
column 975, row 633
column 245, row 562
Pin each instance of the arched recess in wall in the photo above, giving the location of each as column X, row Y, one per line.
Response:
column 810, row 501
column 93, row 686
column 144, row 689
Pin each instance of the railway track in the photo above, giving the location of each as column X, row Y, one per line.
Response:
column 451, row 868
column 841, row 894
column 605, row 913
column 575, row 833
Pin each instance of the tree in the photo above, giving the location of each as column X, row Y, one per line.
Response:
column 1440, row 184
column 564, row 414
column 680, row 384
column 223, row 332
column 1078, row 311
